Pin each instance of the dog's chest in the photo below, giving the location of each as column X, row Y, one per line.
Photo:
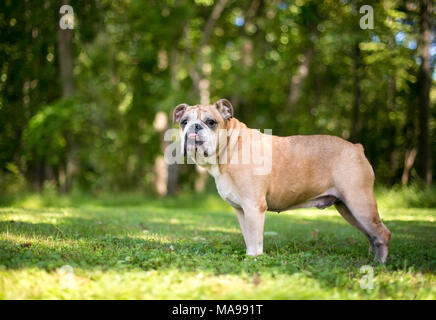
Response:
column 226, row 189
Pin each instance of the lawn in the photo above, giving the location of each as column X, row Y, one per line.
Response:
column 190, row 247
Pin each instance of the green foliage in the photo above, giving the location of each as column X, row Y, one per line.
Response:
column 48, row 130
column 133, row 59
column 414, row 196
column 13, row 181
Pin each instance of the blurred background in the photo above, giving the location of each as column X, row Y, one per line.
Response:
column 85, row 109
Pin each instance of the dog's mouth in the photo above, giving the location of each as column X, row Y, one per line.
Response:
column 194, row 138
column 193, row 142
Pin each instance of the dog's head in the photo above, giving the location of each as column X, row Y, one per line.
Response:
column 200, row 126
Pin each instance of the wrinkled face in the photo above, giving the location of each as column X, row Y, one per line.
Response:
column 199, row 125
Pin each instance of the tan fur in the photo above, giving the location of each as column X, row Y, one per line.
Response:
column 306, row 171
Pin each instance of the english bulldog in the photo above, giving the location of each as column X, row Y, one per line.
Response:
column 256, row 172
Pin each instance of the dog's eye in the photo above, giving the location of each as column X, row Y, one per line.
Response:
column 184, row 122
column 211, row 123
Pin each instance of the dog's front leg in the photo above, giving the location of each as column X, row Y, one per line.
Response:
column 240, row 216
column 254, row 219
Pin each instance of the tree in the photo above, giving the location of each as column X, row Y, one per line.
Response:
column 66, row 65
column 298, row 67
column 424, row 81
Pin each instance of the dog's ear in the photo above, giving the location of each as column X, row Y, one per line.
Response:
column 179, row 111
column 225, row 108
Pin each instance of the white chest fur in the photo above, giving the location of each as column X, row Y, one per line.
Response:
column 226, row 188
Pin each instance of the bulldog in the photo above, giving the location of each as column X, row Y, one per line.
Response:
column 256, row 172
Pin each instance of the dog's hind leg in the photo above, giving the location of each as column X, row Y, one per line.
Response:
column 354, row 180
column 363, row 208
column 348, row 216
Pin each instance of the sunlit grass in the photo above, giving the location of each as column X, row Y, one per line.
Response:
column 131, row 246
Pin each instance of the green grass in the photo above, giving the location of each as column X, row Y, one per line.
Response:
column 134, row 247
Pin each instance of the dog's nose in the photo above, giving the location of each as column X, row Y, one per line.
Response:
column 197, row 128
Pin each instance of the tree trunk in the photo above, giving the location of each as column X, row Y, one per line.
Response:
column 424, row 80
column 247, row 50
column 200, row 77
column 392, row 130
column 409, row 159
column 173, row 175
column 65, row 58
column 355, row 121
column 298, row 79
column 173, row 169
column 410, row 142
column 247, row 46
column 160, row 124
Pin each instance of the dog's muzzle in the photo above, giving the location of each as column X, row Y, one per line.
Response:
column 192, row 138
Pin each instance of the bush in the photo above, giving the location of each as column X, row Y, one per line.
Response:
column 412, row 196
